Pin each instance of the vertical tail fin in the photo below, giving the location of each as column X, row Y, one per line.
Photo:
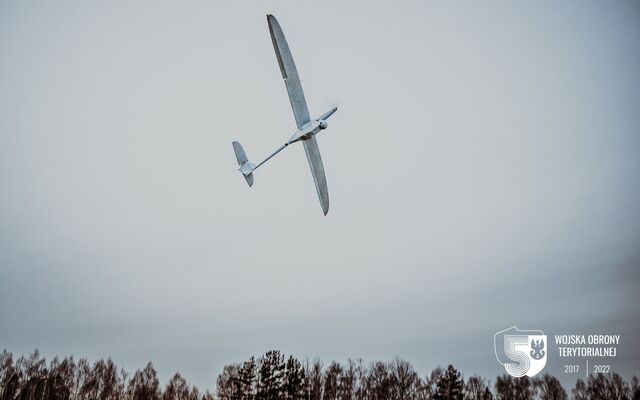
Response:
column 246, row 167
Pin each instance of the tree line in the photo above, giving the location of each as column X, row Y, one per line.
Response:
column 275, row 376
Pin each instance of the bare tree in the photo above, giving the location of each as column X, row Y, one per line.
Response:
column 60, row 379
column 9, row 376
column 314, row 380
column 226, row 386
column 176, row 389
column 194, row 394
column 347, row 382
column 331, row 378
column 102, row 382
column 270, row 378
column 34, row 373
column 405, row 381
column 607, row 387
column 429, row 387
column 477, row 388
column 82, row 372
column 379, row 381
column 579, row 392
column 361, row 373
column 207, row 396
column 549, row 388
column 144, row 385
column 510, row 388
column 635, row 388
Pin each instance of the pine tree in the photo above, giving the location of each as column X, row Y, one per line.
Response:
column 271, row 376
column 294, row 381
column 246, row 380
column 450, row 386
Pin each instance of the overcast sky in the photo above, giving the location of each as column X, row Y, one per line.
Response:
column 483, row 170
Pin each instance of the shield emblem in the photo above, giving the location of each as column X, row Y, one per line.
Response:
column 521, row 352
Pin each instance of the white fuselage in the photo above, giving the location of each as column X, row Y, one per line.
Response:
column 307, row 130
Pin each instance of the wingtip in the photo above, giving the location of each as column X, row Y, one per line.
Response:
column 271, row 20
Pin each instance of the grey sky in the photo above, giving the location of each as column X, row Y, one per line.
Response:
column 483, row 171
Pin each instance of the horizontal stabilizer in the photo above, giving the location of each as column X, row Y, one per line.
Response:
column 241, row 156
column 246, row 167
column 249, row 179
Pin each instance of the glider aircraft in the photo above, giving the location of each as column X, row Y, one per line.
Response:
column 307, row 127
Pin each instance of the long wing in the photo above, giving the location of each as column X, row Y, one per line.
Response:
column 289, row 73
column 317, row 170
